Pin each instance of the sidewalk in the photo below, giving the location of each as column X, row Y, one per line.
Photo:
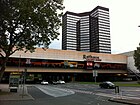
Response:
column 130, row 101
column 122, row 99
column 19, row 95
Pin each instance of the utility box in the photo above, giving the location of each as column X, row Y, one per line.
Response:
column 14, row 82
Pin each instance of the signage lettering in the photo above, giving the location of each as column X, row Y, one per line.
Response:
column 91, row 58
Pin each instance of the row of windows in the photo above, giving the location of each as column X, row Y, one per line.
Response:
column 71, row 36
column 99, row 11
column 71, row 47
column 101, row 22
column 84, row 24
column 84, row 36
column 71, row 39
column 84, row 28
column 85, row 45
column 103, row 11
column 71, row 24
column 70, row 28
column 103, row 17
column 71, row 43
column 104, row 33
column 84, row 21
column 104, row 51
column 73, row 16
column 102, row 30
column 102, row 47
column 83, row 41
column 104, row 27
column 72, row 21
column 85, row 17
column 104, row 20
column 72, row 31
column 104, row 37
column 104, row 43
column 84, row 33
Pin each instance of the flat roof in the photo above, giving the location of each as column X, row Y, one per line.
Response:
column 55, row 54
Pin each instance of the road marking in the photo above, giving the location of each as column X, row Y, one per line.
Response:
column 55, row 92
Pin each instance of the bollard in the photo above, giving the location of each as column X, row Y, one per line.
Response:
column 117, row 90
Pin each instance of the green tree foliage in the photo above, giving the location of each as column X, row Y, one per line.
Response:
column 24, row 24
column 137, row 57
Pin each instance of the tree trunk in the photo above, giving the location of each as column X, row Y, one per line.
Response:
column 3, row 66
column 2, row 72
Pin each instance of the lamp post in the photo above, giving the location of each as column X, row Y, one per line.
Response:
column 24, row 74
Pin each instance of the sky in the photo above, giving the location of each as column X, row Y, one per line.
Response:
column 124, row 22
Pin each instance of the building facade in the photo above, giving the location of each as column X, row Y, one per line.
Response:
column 66, row 65
column 88, row 31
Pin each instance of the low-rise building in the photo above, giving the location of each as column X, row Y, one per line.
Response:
column 68, row 65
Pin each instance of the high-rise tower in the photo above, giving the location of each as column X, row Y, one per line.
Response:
column 88, row 31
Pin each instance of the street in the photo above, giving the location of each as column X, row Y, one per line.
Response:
column 66, row 94
column 71, row 93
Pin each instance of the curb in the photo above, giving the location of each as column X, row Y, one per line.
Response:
column 125, row 101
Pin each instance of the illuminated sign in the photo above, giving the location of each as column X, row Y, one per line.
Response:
column 91, row 58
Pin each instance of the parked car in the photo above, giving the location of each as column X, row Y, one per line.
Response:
column 107, row 85
column 44, row 82
column 60, row 82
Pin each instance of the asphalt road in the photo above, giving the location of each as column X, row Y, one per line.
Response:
column 67, row 94
column 94, row 89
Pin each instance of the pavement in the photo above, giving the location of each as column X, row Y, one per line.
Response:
column 129, row 101
column 21, row 94
column 126, row 100
column 5, row 94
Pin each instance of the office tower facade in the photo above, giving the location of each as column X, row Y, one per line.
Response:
column 88, row 31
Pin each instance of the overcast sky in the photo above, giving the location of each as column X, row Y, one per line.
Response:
column 124, row 21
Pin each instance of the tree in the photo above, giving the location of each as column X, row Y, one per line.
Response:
column 137, row 57
column 24, row 24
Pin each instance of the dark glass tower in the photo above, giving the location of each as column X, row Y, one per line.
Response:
column 88, row 31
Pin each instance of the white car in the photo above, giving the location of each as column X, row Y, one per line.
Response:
column 60, row 82
column 44, row 83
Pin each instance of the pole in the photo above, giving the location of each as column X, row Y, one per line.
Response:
column 95, row 79
column 23, row 85
column 95, row 74
column 24, row 78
